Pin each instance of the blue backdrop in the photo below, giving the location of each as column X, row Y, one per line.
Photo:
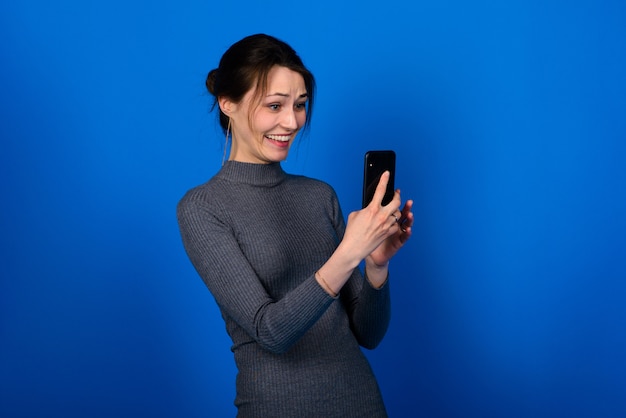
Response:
column 509, row 123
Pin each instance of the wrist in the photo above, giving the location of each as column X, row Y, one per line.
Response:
column 371, row 264
column 345, row 256
column 324, row 284
column 376, row 274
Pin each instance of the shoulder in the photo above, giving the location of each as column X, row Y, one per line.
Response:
column 204, row 197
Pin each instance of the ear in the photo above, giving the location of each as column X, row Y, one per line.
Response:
column 227, row 106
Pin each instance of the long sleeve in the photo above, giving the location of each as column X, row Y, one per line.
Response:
column 369, row 309
column 256, row 237
column 216, row 255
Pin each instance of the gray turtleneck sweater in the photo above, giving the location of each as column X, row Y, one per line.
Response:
column 257, row 235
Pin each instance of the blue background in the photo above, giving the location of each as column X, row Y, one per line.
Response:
column 509, row 123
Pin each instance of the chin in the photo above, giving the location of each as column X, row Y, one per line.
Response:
column 277, row 156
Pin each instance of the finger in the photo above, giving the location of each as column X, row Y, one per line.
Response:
column 408, row 206
column 404, row 237
column 406, row 219
column 394, row 204
column 379, row 194
column 394, row 226
column 406, row 223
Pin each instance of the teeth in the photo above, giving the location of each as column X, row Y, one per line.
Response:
column 282, row 138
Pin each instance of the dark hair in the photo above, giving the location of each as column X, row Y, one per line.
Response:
column 247, row 63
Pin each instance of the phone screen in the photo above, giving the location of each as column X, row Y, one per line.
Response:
column 376, row 163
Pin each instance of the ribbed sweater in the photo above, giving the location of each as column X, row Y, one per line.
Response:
column 256, row 236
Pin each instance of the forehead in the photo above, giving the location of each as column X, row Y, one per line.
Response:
column 285, row 81
column 280, row 82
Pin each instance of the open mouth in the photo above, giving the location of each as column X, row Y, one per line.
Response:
column 279, row 138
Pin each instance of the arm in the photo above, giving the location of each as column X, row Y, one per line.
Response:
column 374, row 235
column 369, row 309
column 274, row 324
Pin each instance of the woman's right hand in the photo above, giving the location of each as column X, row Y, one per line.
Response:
column 373, row 234
column 367, row 228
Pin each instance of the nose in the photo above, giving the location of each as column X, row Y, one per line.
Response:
column 289, row 120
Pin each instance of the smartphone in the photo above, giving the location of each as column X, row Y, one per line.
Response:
column 376, row 163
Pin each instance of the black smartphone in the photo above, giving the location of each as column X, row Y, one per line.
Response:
column 376, row 163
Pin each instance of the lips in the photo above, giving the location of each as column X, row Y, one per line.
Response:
column 279, row 138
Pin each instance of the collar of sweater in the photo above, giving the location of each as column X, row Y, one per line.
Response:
column 253, row 174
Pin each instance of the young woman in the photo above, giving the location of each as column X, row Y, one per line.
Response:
column 276, row 253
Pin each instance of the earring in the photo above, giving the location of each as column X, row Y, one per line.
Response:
column 226, row 142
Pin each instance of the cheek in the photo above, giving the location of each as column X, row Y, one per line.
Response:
column 261, row 123
column 300, row 118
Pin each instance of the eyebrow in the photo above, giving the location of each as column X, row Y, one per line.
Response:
column 303, row 95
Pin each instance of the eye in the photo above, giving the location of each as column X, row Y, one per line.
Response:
column 301, row 106
column 274, row 106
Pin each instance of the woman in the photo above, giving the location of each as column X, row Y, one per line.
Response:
column 277, row 255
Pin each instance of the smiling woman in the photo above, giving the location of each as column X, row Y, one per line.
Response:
column 263, row 133
column 296, row 305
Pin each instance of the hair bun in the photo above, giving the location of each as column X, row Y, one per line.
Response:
column 210, row 81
